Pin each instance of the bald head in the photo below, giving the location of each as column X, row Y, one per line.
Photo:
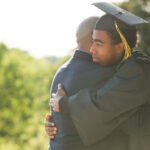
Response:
column 86, row 27
column 84, row 33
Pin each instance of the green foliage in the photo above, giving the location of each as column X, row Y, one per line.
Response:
column 53, row 59
column 25, row 86
column 3, row 49
column 24, row 99
column 141, row 8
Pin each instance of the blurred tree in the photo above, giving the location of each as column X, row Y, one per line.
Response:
column 3, row 49
column 24, row 94
column 140, row 8
column 24, row 98
column 52, row 59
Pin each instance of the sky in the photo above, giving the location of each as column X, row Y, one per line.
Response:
column 44, row 27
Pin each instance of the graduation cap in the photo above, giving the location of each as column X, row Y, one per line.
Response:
column 119, row 13
column 120, row 21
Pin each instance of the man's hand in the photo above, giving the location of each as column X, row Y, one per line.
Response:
column 50, row 128
column 57, row 97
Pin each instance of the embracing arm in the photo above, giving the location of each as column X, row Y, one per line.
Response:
column 96, row 114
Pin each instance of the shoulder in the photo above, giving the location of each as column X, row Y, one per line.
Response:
column 138, row 62
column 135, row 71
column 64, row 65
column 131, row 74
column 129, row 68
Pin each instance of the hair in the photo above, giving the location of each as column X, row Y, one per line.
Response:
column 106, row 23
column 130, row 35
column 86, row 27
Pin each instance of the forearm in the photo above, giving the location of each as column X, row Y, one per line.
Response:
column 97, row 113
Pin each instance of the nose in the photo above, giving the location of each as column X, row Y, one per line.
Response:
column 92, row 49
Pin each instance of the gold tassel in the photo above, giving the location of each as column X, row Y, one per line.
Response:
column 125, row 43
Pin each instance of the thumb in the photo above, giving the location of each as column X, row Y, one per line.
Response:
column 48, row 116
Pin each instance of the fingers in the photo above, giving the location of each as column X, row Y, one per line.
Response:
column 53, row 95
column 49, row 124
column 61, row 91
column 51, row 130
column 51, row 133
column 59, row 86
column 48, row 116
column 54, row 105
column 55, row 109
column 52, row 102
column 51, row 137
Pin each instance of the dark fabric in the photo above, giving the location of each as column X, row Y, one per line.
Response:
column 117, row 140
column 96, row 114
column 120, row 14
column 63, row 105
column 138, row 129
column 78, row 73
column 106, row 22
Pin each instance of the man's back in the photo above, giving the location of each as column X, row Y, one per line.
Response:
column 78, row 73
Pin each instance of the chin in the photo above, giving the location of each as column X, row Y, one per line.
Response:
column 96, row 60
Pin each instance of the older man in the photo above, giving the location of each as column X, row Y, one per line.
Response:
column 77, row 73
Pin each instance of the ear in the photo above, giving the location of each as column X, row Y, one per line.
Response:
column 77, row 41
column 119, row 48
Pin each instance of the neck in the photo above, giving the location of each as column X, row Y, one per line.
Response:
column 84, row 48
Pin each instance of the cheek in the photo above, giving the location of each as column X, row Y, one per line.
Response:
column 104, row 54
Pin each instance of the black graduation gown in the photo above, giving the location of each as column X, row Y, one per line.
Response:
column 96, row 114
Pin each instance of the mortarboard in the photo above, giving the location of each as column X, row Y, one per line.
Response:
column 120, row 14
column 118, row 19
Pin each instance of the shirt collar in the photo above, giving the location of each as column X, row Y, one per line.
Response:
column 81, row 50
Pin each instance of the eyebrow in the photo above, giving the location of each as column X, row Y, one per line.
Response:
column 97, row 40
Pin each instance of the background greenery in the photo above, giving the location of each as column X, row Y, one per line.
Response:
column 25, row 84
column 24, row 98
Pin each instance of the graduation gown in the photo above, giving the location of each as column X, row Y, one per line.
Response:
column 96, row 114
